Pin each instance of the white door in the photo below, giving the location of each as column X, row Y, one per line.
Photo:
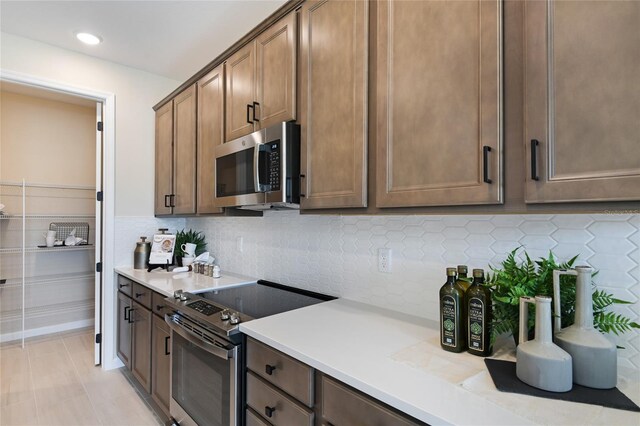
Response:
column 98, row 243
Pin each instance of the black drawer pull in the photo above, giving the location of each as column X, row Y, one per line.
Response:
column 166, row 345
column 534, row 159
column 130, row 319
column 268, row 411
column 166, row 201
column 255, row 109
column 138, row 295
column 249, row 106
column 269, row 369
column 126, row 311
column 123, row 285
column 485, row 164
column 159, row 307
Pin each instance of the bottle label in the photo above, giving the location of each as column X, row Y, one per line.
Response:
column 448, row 321
column 476, row 324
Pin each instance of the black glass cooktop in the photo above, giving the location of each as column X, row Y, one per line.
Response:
column 265, row 298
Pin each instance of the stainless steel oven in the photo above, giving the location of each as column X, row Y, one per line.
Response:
column 204, row 375
column 261, row 170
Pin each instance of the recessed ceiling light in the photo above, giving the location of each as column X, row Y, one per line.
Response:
column 88, row 38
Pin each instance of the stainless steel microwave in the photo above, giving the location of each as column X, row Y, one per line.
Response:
column 260, row 171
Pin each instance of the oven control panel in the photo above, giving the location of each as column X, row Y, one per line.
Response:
column 204, row 307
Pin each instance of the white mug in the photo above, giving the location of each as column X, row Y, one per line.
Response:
column 50, row 234
column 189, row 249
column 50, row 239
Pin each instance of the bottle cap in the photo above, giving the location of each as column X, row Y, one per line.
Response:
column 451, row 272
column 478, row 273
column 462, row 269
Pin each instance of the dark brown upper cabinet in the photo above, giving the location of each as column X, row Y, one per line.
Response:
column 582, row 109
column 439, row 100
column 333, row 103
column 261, row 80
column 210, row 134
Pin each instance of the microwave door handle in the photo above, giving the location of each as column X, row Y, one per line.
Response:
column 256, row 168
column 197, row 341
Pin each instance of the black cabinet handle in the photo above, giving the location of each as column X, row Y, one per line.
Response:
column 172, row 200
column 485, row 164
column 534, row 159
column 269, row 369
column 167, row 203
column 255, row 115
column 159, row 307
column 123, row 285
column 166, row 345
column 126, row 310
column 268, row 411
column 138, row 295
column 130, row 319
column 249, row 106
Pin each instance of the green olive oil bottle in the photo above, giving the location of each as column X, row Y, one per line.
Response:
column 477, row 302
column 462, row 277
column 452, row 318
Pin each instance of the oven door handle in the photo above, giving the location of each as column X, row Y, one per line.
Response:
column 196, row 340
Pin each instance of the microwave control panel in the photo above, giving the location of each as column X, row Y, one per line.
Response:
column 274, row 165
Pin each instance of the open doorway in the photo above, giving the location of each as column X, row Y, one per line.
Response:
column 51, row 182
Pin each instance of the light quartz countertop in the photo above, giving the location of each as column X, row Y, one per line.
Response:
column 397, row 359
column 167, row 282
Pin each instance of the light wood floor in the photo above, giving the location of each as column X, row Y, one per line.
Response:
column 53, row 381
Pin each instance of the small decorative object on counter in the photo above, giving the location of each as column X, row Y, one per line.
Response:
column 141, row 254
column 594, row 356
column 216, row 272
column 452, row 317
column 479, row 313
column 463, row 281
column 540, row 362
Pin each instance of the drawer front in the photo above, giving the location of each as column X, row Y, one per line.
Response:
column 158, row 305
column 275, row 406
column 125, row 285
column 290, row 375
column 344, row 406
column 253, row 419
column 142, row 295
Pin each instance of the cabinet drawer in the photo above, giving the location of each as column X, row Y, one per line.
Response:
column 293, row 377
column 142, row 295
column 252, row 419
column 125, row 285
column 274, row 405
column 158, row 305
column 344, row 406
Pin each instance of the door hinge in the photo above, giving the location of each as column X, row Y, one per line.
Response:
column 99, row 338
column 99, row 126
column 99, row 195
column 99, row 267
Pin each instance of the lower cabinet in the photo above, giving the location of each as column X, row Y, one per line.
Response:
column 143, row 341
column 283, row 391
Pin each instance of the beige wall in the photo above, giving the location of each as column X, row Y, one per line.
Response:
column 46, row 141
column 135, row 94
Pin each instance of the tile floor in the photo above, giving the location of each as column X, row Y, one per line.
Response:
column 53, row 381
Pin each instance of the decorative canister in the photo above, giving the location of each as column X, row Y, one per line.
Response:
column 141, row 254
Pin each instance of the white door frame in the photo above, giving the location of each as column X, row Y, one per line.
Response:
column 109, row 359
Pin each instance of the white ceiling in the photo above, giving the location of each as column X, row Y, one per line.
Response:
column 174, row 39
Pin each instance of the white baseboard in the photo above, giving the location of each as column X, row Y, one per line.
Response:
column 8, row 337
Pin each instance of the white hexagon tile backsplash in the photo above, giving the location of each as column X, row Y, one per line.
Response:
column 338, row 254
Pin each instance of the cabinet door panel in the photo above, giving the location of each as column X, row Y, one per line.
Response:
column 582, row 104
column 276, row 72
column 333, row 84
column 210, row 135
column 240, row 69
column 164, row 159
column 184, row 157
column 439, row 103
column 141, row 357
column 160, row 362
column 124, row 330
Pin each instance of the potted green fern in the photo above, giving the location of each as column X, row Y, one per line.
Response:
column 530, row 278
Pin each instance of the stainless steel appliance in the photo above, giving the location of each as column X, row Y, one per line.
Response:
column 260, row 171
column 207, row 357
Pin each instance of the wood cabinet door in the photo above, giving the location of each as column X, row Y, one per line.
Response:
column 141, row 337
column 184, row 153
column 160, row 363
column 582, row 101
column 276, row 72
column 124, row 330
column 164, row 159
column 241, row 92
column 210, row 135
column 439, row 99
column 333, row 110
